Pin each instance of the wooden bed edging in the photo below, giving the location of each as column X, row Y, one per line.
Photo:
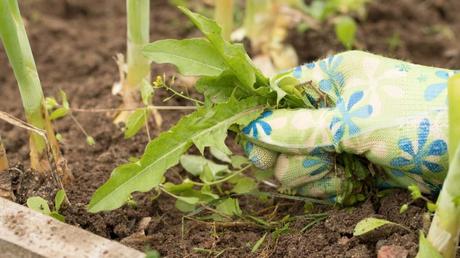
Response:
column 29, row 234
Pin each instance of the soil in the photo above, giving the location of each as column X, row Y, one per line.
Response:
column 74, row 42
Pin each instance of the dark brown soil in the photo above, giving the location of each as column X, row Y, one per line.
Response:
column 74, row 43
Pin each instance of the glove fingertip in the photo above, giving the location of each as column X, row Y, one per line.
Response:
column 260, row 157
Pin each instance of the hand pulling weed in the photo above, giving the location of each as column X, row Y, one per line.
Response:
column 235, row 93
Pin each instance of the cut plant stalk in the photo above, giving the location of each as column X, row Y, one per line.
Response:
column 224, row 17
column 4, row 165
column 138, row 67
column 445, row 228
column 5, row 179
column 14, row 38
column 266, row 24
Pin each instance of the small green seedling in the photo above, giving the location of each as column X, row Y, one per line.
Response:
column 151, row 253
column 415, row 195
column 345, row 30
column 39, row 204
column 59, row 110
column 259, row 242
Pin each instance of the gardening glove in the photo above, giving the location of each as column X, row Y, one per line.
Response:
column 391, row 112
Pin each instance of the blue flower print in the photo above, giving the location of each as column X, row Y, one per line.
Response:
column 320, row 159
column 335, row 79
column 347, row 114
column 434, row 90
column 252, row 127
column 422, row 78
column 403, row 67
column 297, row 72
column 310, row 65
column 418, row 160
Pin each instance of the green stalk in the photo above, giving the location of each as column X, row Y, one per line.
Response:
column 14, row 37
column 138, row 19
column 224, row 17
column 252, row 24
column 16, row 44
column 3, row 159
column 445, row 228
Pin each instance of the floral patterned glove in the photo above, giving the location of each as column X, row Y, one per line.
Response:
column 391, row 112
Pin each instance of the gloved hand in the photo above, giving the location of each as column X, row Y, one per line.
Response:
column 391, row 112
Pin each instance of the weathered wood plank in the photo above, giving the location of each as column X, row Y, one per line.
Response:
column 26, row 233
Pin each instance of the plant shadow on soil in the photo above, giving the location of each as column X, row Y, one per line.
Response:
column 74, row 43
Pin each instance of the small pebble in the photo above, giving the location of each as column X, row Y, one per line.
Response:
column 392, row 251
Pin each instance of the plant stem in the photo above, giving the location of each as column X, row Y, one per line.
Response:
column 138, row 25
column 224, row 17
column 5, row 179
column 445, row 228
column 3, row 159
column 223, row 179
column 102, row 110
column 14, row 37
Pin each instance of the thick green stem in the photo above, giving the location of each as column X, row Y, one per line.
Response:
column 14, row 38
column 255, row 20
column 138, row 26
column 445, row 228
column 16, row 44
column 224, row 17
column 138, row 35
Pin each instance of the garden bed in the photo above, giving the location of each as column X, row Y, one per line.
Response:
column 74, row 43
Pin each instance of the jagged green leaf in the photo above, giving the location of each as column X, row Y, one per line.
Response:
column 220, row 155
column 230, row 207
column 220, row 88
column 165, row 151
column 234, row 55
column 195, row 165
column 239, row 161
column 195, row 56
column 243, row 184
